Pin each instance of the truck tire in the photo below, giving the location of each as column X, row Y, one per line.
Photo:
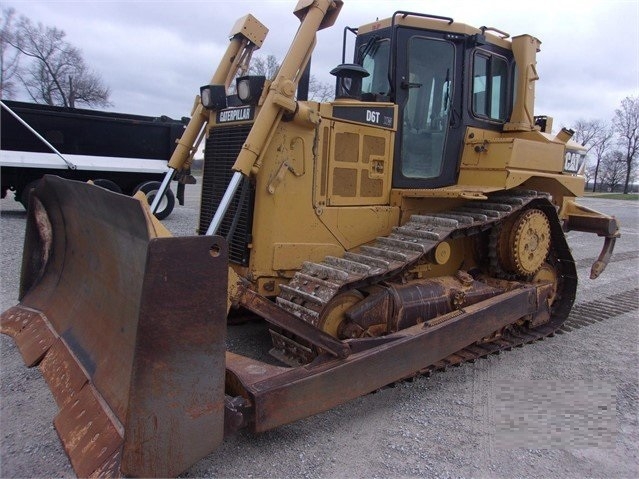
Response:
column 26, row 191
column 107, row 185
column 150, row 188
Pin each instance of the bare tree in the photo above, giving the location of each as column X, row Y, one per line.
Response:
column 613, row 169
column 269, row 66
column 588, row 131
column 265, row 66
column 595, row 136
column 626, row 125
column 589, row 172
column 56, row 73
column 320, row 91
column 9, row 56
column 601, row 145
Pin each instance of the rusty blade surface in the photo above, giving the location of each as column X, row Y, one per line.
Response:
column 131, row 327
column 176, row 403
column 30, row 332
column 63, row 374
column 15, row 319
column 83, row 266
column 88, row 434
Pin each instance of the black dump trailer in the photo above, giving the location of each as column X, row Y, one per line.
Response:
column 121, row 152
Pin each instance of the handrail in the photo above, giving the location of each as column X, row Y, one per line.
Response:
column 69, row 164
column 501, row 33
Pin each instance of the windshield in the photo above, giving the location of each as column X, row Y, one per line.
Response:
column 375, row 55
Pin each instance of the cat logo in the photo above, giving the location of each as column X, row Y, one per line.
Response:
column 244, row 113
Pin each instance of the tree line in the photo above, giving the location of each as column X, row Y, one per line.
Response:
column 613, row 148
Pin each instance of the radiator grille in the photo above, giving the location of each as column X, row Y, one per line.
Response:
column 222, row 147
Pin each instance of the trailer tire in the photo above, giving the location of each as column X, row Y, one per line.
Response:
column 150, row 188
column 107, row 185
column 26, row 191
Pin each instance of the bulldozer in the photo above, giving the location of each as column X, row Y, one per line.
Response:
column 416, row 221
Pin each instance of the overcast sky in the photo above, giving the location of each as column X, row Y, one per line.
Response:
column 154, row 55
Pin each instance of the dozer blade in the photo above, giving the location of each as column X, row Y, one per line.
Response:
column 128, row 330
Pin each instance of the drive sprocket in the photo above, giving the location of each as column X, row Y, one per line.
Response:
column 524, row 243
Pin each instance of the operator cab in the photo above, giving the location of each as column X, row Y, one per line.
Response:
column 444, row 77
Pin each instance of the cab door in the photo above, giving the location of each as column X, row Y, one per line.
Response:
column 428, row 92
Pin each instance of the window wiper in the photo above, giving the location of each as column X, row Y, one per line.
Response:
column 368, row 47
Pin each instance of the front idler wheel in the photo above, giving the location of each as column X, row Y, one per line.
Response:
column 333, row 317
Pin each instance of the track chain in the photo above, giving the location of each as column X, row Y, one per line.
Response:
column 312, row 288
column 316, row 284
column 516, row 335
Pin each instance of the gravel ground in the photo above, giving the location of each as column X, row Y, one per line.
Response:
column 565, row 407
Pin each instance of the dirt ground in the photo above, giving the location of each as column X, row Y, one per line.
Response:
column 565, row 407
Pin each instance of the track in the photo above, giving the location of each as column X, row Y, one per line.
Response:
column 311, row 291
column 592, row 312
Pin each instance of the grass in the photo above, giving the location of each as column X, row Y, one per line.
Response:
column 615, row 196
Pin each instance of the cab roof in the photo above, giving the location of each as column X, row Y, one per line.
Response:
column 443, row 24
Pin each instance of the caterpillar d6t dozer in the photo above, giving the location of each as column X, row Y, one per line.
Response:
column 414, row 222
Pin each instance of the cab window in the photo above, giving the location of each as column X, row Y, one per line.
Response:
column 375, row 61
column 490, row 86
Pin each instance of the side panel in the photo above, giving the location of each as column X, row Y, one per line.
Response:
column 355, row 154
column 284, row 218
column 359, row 166
column 493, row 160
column 354, row 226
column 283, row 210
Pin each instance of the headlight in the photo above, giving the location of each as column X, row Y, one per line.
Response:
column 249, row 88
column 205, row 95
column 244, row 90
column 213, row 97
